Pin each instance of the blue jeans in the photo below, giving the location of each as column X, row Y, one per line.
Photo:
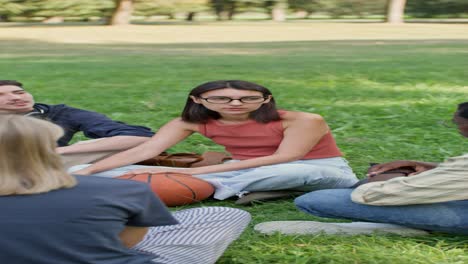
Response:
column 448, row 217
column 300, row 175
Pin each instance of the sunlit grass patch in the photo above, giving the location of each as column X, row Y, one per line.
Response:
column 383, row 100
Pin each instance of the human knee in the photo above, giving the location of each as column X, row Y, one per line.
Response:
column 322, row 201
column 235, row 213
column 308, row 201
column 216, row 213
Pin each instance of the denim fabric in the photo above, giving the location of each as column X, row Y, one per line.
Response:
column 92, row 124
column 449, row 217
column 300, row 175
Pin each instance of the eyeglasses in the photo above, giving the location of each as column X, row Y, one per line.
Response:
column 225, row 100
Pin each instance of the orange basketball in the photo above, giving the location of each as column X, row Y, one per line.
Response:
column 175, row 188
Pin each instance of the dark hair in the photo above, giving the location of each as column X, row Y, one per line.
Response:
column 11, row 82
column 463, row 110
column 197, row 113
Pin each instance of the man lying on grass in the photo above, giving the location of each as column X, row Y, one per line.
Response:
column 113, row 135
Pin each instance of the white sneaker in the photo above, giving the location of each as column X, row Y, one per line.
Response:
column 354, row 228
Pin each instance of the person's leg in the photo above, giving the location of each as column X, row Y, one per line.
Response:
column 201, row 236
column 301, row 175
column 450, row 217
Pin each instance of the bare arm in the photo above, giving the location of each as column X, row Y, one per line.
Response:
column 103, row 144
column 132, row 235
column 302, row 131
column 169, row 135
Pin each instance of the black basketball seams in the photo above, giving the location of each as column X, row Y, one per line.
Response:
column 148, row 179
column 194, row 195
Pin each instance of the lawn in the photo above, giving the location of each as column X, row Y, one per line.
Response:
column 386, row 92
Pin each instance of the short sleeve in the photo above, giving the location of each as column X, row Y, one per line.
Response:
column 150, row 211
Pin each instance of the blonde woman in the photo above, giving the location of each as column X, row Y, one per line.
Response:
column 49, row 216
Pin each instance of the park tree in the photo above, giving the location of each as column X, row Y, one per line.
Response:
column 224, row 9
column 437, row 8
column 395, row 11
column 58, row 10
column 170, row 8
column 277, row 9
column 10, row 8
column 359, row 8
column 121, row 13
column 307, row 6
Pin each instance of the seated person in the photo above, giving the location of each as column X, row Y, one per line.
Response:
column 272, row 149
column 434, row 198
column 49, row 216
column 115, row 136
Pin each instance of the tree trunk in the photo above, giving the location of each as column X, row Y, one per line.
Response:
column 122, row 12
column 278, row 12
column 231, row 11
column 190, row 16
column 53, row 20
column 395, row 11
column 4, row 18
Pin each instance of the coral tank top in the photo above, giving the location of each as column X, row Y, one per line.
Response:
column 252, row 139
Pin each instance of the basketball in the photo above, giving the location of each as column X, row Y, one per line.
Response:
column 174, row 188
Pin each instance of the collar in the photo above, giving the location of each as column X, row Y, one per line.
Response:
column 36, row 111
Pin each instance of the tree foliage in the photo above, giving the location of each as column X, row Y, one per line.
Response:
column 436, row 8
column 170, row 8
column 223, row 9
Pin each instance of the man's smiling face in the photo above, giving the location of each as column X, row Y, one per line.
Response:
column 15, row 100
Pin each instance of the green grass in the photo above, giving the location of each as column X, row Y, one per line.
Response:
column 384, row 100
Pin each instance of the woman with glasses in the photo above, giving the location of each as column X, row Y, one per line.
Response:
column 271, row 149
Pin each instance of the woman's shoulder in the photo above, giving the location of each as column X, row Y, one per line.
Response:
column 180, row 123
column 296, row 115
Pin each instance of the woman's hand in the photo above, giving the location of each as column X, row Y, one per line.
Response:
column 417, row 166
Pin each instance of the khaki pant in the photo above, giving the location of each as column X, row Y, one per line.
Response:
column 73, row 159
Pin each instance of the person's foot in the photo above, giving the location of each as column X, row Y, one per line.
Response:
column 354, row 228
column 266, row 196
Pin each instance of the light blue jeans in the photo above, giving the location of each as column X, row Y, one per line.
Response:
column 300, row 175
column 448, row 217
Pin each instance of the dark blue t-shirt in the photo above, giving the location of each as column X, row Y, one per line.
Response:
column 92, row 124
column 80, row 224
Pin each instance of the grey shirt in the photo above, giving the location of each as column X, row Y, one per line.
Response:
column 80, row 224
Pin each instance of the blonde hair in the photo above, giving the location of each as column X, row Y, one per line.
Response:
column 29, row 162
